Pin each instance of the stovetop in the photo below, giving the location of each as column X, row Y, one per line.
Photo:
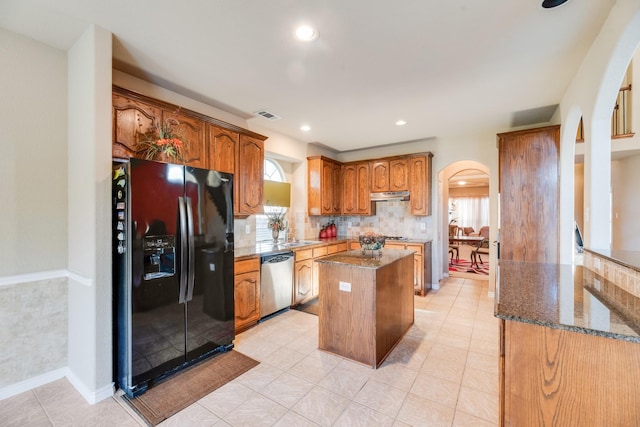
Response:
column 396, row 238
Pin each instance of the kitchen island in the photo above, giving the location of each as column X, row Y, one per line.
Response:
column 365, row 303
column 569, row 346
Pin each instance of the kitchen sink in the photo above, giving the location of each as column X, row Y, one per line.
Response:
column 299, row 243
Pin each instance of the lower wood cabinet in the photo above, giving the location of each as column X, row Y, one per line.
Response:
column 421, row 264
column 246, row 289
column 305, row 276
column 553, row 377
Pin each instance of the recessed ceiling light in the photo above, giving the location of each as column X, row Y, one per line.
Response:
column 548, row 4
column 401, row 123
column 306, row 33
column 305, row 128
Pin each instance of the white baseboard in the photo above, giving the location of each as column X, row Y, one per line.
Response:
column 32, row 383
column 35, row 382
column 90, row 396
column 33, row 277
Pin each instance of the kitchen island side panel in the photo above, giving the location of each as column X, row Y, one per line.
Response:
column 366, row 322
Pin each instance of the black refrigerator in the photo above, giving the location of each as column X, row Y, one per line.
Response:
column 172, row 270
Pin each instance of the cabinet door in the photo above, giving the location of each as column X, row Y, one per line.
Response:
column 303, row 280
column 192, row 131
column 379, row 176
column 529, row 192
column 364, row 206
column 420, row 184
column 326, row 188
column 399, row 175
column 132, row 120
column 223, row 144
column 349, row 206
column 418, row 274
column 249, row 176
column 246, row 299
column 336, row 183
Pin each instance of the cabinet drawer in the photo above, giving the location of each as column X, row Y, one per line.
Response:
column 303, row 254
column 400, row 246
column 246, row 265
column 342, row 247
column 354, row 244
column 332, row 249
column 321, row 251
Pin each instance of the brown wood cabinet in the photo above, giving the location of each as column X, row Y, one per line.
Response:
column 421, row 264
column 323, row 184
column 246, row 288
column 399, row 174
column 193, row 132
column 249, row 177
column 133, row 119
column 356, row 189
column 209, row 143
column 223, row 147
column 390, row 174
column 529, row 194
column 553, row 377
column 305, row 277
column 420, row 183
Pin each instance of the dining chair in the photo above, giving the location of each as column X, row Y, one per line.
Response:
column 482, row 248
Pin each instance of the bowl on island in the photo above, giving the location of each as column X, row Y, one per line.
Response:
column 371, row 242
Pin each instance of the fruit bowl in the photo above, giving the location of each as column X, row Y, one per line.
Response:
column 371, row 242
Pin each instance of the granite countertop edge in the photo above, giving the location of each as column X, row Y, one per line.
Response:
column 525, row 294
column 570, row 328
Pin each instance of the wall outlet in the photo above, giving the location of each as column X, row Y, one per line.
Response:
column 247, row 229
column 344, row 286
column 596, row 264
column 423, row 226
column 349, row 224
column 596, row 284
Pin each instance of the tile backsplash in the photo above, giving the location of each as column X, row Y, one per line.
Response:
column 391, row 219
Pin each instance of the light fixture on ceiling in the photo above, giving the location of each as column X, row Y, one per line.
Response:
column 549, row 4
column 401, row 123
column 462, row 182
column 305, row 128
column 306, row 33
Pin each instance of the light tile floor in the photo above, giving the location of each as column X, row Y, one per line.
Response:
column 443, row 373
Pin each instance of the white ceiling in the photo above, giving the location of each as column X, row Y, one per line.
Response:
column 449, row 67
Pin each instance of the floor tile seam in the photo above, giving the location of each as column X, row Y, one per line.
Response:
column 474, row 415
column 119, row 399
column 454, row 407
column 43, row 407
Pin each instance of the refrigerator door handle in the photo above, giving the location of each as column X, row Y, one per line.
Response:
column 182, row 220
column 192, row 256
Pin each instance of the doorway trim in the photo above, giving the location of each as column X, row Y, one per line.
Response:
column 443, row 208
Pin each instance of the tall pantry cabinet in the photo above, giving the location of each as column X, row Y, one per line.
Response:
column 529, row 194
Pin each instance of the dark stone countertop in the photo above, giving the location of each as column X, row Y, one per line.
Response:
column 566, row 297
column 629, row 259
column 368, row 260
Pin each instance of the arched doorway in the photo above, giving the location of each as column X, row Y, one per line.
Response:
column 444, row 176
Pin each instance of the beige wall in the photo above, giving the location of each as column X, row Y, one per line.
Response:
column 468, row 191
column 33, row 165
column 625, row 176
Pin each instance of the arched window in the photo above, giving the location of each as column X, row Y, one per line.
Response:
column 272, row 172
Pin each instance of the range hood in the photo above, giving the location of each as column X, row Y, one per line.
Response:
column 389, row 196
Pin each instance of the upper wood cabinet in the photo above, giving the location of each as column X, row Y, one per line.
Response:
column 399, row 174
column 193, row 134
column 132, row 121
column 249, row 177
column 356, row 189
column 209, row 143
column 529, row 193
column 223, row 145
column 390, row 174
column 420, row 183
column 379, row 176
column 323, row 184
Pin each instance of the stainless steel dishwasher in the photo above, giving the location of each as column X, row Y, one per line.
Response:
column 276, row 282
